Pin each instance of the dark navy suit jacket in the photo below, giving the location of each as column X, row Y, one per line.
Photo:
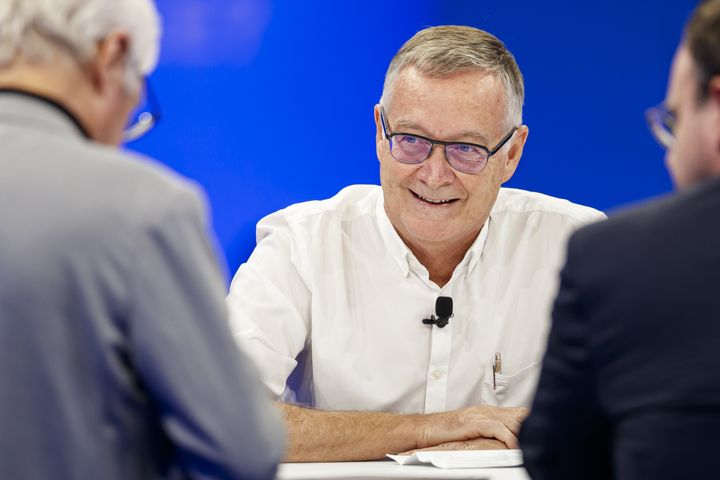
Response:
column 630, row 386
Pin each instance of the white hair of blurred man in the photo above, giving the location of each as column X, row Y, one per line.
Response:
column 38, row 31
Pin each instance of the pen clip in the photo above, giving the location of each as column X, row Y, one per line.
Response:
column 496, row 368
column 493, row 368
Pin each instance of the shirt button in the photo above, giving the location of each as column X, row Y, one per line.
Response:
column 437, row 374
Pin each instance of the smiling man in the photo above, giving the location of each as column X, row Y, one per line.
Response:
column 332, row 301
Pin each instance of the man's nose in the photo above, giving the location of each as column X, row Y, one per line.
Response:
column 435, row 170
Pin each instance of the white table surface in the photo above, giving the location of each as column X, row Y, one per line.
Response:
column 389, row 469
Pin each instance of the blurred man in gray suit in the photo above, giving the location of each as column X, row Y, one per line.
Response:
column 115, row 358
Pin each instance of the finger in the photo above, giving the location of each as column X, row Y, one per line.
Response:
column 512, row 442
column 513, row 425
column 520, row 413
column 504, row 434
column 455, row 446
column 486, row 444
column 440, row 447
column 512, row 418
column 449, row 446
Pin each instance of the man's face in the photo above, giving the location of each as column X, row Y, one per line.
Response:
column 695, row 134
column 465, row 107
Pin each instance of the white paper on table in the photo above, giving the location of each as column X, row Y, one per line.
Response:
column 463, row 458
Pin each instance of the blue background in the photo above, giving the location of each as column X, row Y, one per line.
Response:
column 268, row 103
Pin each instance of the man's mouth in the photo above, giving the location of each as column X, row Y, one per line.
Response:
column 433, row 201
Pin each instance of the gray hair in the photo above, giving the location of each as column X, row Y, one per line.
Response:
column 36, row 29
column 702, row 36
column 442, row 51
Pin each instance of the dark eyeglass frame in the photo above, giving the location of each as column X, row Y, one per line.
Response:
column 146, row 119
column 433, row 142
column 661, row 122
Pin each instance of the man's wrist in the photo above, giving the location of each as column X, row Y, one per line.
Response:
column 425, row 426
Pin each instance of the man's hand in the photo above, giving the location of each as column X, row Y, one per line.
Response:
column 475, row 444
column 473, row 423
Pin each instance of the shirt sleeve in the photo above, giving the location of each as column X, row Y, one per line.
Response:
column 269, row 304
column 563, row 436
column 207, row 395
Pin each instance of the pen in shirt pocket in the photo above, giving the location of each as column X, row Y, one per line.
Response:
column 497, row 368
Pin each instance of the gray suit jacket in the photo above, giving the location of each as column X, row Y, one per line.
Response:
column 116, row 361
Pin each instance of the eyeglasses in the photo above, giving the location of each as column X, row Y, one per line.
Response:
column 145, row 117
column 661, row 121
column 464, row 157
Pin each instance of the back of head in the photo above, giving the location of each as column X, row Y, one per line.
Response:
column 702, row 37
column 445, row 50
column 39, row 30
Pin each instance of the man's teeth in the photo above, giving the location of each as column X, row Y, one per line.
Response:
column 437, row 202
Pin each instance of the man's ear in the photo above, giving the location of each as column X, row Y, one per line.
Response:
column 379, row 137
column 714, row 91
column 515, row 150
column 714, row 88
column 714, row 98
column 108, row 66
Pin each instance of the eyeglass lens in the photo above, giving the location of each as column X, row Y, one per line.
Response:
column 463, row 157
column 662, row 125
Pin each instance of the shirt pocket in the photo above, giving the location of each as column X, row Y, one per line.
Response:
column 515, row 390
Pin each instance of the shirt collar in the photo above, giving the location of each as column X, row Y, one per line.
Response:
column 405, row 258
column 474, row 253
column 395, row 246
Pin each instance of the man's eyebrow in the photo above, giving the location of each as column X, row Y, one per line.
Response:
column 407, row 126
column 477, row 136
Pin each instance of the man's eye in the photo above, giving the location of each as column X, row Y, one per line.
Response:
column 463, row 148
column 409, row 139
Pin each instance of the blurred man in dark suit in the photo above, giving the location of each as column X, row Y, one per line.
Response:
column 116, row 361
column 630, row 386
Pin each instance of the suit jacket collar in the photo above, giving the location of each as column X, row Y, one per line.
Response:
column 39, row 110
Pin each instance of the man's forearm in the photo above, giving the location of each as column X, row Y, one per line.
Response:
column 332, row 436
column 327, row 436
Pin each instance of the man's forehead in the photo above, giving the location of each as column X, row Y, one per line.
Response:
column 471, row 98
column 470, row 85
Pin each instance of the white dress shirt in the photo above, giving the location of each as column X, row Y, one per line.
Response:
column 334, row 297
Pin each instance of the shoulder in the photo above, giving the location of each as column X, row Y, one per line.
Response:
column 349, row 204
column 119, row 195
column 658, row 221
column 656, row 238
column 523, row 205
column 146, row 173
column 144, row 187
